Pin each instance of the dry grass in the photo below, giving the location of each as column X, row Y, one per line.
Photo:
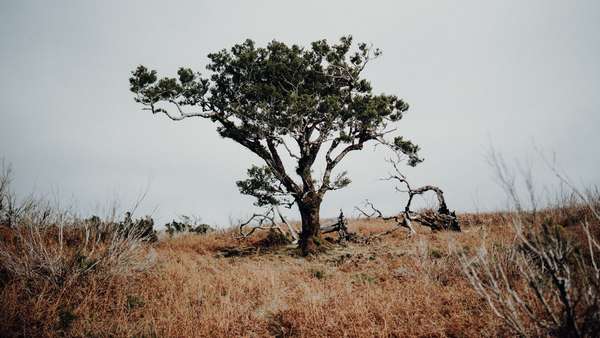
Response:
column 215, row 285
column 397, row 286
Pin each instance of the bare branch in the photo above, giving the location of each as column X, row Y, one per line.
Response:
column 264, row 221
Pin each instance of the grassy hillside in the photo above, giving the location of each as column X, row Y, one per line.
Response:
column 75, row 282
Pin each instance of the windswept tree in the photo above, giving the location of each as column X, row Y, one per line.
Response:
column 285, row 104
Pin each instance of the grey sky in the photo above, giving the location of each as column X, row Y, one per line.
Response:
column 513, row 72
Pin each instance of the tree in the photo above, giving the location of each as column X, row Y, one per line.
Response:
column 281, row 102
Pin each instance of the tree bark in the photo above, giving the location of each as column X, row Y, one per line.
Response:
column 310, row 238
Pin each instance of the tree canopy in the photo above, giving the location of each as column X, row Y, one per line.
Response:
column 282, row 98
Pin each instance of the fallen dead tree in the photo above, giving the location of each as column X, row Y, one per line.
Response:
column 341, row 227
column 442, row 219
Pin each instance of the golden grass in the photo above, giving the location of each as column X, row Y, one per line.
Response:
column 397, row 286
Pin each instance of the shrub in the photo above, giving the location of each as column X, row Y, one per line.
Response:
column 142, row 228
column 548, row 281
column 187, row 224
column 547, row 284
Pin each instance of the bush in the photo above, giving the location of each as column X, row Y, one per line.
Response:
column 187, row 224
column 142, row 228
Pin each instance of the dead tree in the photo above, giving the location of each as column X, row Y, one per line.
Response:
column 443, row 219
column 400, row 219
column 341, row 227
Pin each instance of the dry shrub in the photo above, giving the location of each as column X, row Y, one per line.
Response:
column 547, row 281
column 50, row 260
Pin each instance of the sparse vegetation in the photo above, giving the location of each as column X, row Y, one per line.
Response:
column 60, row 276
column 546, row 281
column 228, row 136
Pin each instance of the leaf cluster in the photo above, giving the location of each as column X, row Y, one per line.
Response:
column 280, row 95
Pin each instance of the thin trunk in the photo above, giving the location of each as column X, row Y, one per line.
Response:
column 310, row 238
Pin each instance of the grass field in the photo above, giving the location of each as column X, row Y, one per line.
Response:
column 195, row 285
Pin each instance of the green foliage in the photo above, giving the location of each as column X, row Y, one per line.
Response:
column 187, row 224
column 340, row 181
column 176, row 227
column 409, row 149
column 142, row 228
column 263, row 185
column 284, row 98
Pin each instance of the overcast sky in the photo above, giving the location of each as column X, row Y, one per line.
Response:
column 510, row 73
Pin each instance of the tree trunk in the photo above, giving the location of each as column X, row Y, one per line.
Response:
column 310, row 238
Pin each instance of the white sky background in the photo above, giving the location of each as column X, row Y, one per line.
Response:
column 512, row 73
